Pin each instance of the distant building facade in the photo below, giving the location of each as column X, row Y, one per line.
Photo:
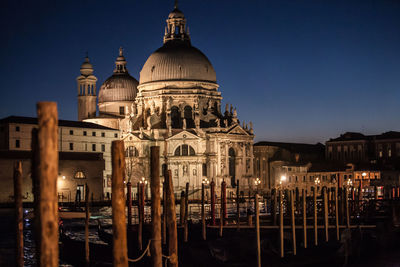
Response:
column 75, row 137
column 271, row 159
column 76, row 169
column 382, row 149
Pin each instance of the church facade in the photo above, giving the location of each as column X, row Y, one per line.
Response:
column 175, row 105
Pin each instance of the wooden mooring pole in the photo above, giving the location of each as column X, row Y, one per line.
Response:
column 223, row 200
column 212, row 191
column 155, row 246
column 171, row 221
column 186, row 230
column 120, row 251
column 140, row 215
column 292, row 196
column 164, row 214
column 19, row 227
column 326, row 213
column 221, row 213
column 47, row 172
column 346, row 200
column 257, row 209
column 281, row 223
column 337, row 214
column 315, row 216
column 304, row 199
column 203, row 215
column 129, row 193
column 87, row 256
column 238, row 205
column 182, row 209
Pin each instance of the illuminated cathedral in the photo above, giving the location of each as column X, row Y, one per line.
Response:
column 175, row 105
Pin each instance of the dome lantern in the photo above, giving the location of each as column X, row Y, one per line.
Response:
column 176, row 26
column 120, row 63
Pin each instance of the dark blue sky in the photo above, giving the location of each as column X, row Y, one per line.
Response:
column 301, row 70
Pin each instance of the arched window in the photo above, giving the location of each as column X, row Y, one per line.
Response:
column 184, row 150
column 188, row 114
column 175, row 117
column 131, row 151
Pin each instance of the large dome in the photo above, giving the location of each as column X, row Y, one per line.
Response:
column 119, row 87
column 177, row 60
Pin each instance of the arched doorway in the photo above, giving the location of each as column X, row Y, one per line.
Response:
column 232, row 167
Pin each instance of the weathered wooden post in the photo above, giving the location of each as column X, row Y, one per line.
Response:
column 273, row 206
column 281, row 223
column 87, row 192
column 19, row 215
column 326, row 213
column 223, row 200
column 140, row 215
column 293, row 222
column 129, row 193
column 164, row 220
column 120, row 251
column 182, row 208
column 172, row 225
column 304, row 199
column 155, row 246
column 346, row 194
column 337, row 214
column 203, row 216
column 238, row 205
column 315, row 216
column 186, row 230
column 221, row 213
column 257, row 208
column 212, row 189
column 47, row 172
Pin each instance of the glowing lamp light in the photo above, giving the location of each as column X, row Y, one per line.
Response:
column 205, row 181
column 143, row 181
column 317, row 181
column 257, row 181
column 63, row 177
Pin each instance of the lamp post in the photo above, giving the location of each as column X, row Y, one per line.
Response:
column 205, row 182
column 257, row 183
column 317, row 182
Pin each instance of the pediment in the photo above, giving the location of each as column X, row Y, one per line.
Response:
column 237, row 130
column 183, row 135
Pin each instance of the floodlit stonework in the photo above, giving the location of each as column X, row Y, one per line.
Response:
column 176, row 105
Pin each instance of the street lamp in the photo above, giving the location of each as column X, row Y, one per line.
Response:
column 205, row 181
column 349, row 182
column 143, row 181
column 257, row 182
column 283, row 179
column 317, row 181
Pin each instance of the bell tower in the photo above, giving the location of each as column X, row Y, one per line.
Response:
column 86, row 91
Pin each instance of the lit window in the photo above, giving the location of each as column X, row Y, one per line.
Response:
column 79, row 175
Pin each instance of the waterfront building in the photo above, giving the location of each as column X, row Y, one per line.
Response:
column 75, row 137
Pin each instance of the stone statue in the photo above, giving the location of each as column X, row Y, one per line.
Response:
column 184, row 123
column 133, row 110
column 218, row 121
column 152, row 108
column 169, row 103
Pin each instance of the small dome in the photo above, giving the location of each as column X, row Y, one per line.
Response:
column 119, row 87
column 177, row 60
column 86, row 67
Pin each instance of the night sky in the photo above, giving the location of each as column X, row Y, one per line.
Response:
column 302, row 71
